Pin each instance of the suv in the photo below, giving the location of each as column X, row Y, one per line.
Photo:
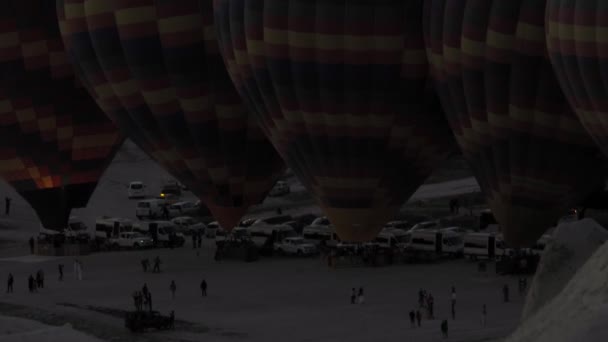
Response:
column 130, row 240
column 136, row 190
column 280, row 189
column 295, row 246
column 171, row 192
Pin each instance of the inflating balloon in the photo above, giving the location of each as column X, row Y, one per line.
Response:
column 529, row 152
column 155, row 69
column 340, row 88
column 55, row 143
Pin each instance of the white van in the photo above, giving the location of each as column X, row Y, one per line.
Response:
column 390, row 238
column 136, row 189
column 436, row 242
column 262, row 234
column 109, row 227
column 164, row 233
column 150, row 208
column 483, row 245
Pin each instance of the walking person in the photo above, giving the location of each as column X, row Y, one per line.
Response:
column 412, row 319
column 173, row 287
column 157, row 263
column 431, row 305
column 353, row 296
column 484, row 315
column 60, row 268
column 7, row 206
column 31, row 242
column 9, row 283
column 505, row 293
column 360, row 296
column 204, row 288
column 418, row 317
column 444, row 328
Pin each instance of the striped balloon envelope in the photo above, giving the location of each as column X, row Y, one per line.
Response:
column 341, row 89
column 55, row 143
column 577, row 43
column 529, row 152
column 154, row 68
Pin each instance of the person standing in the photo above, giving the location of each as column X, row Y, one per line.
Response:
column 9, row 283
column 353, row 296
column 7, row 206
column 78, row 266
column 505, row 293
column 30, row 283
column 144, row 290
column 444, row 328
column 431, row 304
column 60, row 267
column 173, row 287
column 484, row 315
column 204, row 288
column 39, row 279
column 360, row 296
column 144, row 264
column 412, row 319
column 149, row 300
column 418, row 317
column 453, row 303
column 31, row 242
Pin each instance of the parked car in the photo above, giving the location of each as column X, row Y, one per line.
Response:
column 187, row 225
column 317, row 234
column 130, row 240
column 76, row 229
column 150, row 208
column 294, row 246
column 136, row 189
column 280, row 189
column 182, row 209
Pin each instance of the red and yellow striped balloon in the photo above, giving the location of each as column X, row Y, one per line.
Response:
column 341, row 89
column 154, row 68
column 529, row 152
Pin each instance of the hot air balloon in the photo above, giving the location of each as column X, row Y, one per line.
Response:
column 342, row 91
column 528, row 151
column 155, row 69
column 576, row 43
column 55, row 143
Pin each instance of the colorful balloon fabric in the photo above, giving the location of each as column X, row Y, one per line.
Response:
column 55, row 143
column 576, row 41
column 341, row 89
column 529, row 152
column 155, row 69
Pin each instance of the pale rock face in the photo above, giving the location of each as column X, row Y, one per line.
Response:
column 572, row 245
column 580, row 311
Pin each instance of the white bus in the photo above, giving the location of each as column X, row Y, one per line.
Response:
column 484, row 245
